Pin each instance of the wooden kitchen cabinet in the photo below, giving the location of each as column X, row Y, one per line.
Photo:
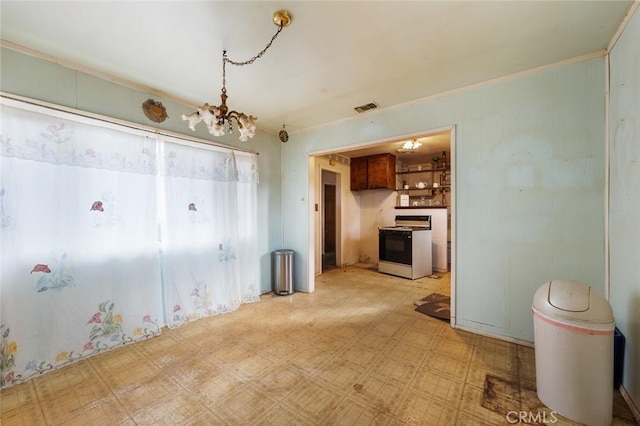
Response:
column 373, row 171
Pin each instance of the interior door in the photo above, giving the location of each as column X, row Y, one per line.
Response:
column 329, row 213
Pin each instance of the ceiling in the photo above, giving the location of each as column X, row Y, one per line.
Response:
column 333, row 57
column 431, row 145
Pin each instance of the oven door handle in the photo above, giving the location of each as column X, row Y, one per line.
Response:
column 387, row 233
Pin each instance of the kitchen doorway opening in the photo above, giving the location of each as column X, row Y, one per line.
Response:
column 359, row 214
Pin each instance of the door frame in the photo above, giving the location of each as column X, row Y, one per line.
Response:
column 316, row 214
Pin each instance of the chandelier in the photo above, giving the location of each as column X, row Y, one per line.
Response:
column 216, row 118
column 409, row 147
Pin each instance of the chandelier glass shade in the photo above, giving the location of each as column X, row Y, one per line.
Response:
column 217, row 118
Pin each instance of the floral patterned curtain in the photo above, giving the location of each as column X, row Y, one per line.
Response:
column 91, row 233
column 208, row 267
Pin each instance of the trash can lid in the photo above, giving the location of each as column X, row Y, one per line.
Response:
column 283, row 251
column 573, row 301
column 569, row 296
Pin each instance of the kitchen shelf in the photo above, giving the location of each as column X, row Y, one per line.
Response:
column 420, row 207
column 424, row 189
column 423, row 197
column 409, row 172
column 439, row 175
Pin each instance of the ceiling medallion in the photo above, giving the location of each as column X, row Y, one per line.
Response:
column 154, row 111
column 217, row 117
column 283, row 135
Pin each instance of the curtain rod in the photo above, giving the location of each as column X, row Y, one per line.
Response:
column 120, row 122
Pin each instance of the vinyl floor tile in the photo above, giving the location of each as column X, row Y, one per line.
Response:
column 314, row 399
column 106, row 411
column 18, row 396
column 26, row 415
column 454, row 348
column 281, row 415
column 433, row 385
column 495, row 360
column 349, row 413
column 218, row 386
column 360, row 354
column 56, row 408
column 380, row 395
column 340, row 374
column 418, row 409
column 445, row 365
column 247, row 404
column 280, row 380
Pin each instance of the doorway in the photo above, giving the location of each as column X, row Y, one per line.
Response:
column 350, row 204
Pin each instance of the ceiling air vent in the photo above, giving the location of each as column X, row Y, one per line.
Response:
column 366, row 107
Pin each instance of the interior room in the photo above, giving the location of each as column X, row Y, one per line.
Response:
column 167, row 168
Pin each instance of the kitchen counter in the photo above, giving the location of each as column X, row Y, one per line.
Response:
column 420, row 207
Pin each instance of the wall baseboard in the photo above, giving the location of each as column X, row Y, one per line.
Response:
column 495, row 336
column 630, row 403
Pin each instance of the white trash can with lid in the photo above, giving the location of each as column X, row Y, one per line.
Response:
column 573, row 330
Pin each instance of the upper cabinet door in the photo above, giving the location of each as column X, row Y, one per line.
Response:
column 358, row 173
column 374, row 171
column 381, row 171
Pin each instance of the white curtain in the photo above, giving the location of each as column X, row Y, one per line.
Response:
column 208, row 239
column 97, row 249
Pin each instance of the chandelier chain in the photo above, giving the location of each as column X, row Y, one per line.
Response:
column 259, row 55
column 225, row 59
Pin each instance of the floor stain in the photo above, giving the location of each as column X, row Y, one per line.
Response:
column 500, row 396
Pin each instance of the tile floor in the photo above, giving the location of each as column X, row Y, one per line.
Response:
column 353, row 353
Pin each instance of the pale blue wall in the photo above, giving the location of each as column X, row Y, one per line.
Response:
column 624, row 218
column 530, row 165
column 31, row 77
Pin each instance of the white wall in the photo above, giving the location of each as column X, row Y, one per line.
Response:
column 529, row 185
column 377, row 208
column 624, row 214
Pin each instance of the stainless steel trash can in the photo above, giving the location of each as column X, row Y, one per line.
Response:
column 573, row 331
column 282, row 272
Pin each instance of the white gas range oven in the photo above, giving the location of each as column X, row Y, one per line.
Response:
column 405, row 249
